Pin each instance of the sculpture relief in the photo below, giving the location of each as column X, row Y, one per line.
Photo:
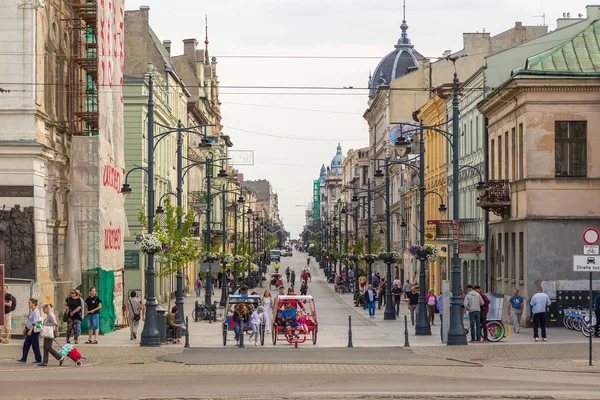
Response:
column 17, row 232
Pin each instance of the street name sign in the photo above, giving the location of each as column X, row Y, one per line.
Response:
column 589, row 249
column 586, row 263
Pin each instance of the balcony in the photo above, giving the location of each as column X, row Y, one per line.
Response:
column 497, row 198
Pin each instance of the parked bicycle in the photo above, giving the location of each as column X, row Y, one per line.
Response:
column 580, row 319
column 203, row 311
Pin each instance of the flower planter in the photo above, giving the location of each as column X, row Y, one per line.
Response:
column 422, row 255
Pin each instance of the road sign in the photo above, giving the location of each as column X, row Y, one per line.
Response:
column 591, row 236
column 586, row 263
column 469, row 248
column 593, row 250
column 440, row 222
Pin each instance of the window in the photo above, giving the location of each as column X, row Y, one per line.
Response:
column 506, row 160
column 513, row 143
column 477, row 133
column 513, row 250
column 505, row 257
column 500, row 258
column 570, row 148
column 365, row 175
column 521, row 257
column 500, row 157
column 521, row 152
column 493, row 163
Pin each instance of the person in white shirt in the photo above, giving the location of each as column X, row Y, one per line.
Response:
column 256, row 321
column 539, row 303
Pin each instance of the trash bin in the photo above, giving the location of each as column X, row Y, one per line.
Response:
column 161, row 321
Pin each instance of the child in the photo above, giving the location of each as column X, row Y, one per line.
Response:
column 301, row 319
column 256, row 321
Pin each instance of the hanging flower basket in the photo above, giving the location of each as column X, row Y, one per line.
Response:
column 208, row 257
column 369, row 258
column 152, row 243
column 226, row 258
column 426, row 252
column 239, row 259
column 391, row 257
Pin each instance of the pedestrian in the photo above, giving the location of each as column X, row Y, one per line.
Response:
column 281, row 290
column 93, row 305
column 172, row 326
column 32, row 338
column 413, row 303
column 362, row 282
column 10, row 303
column 407, row 288
column 432, row 304
column 268, row 305
column 370, row 297
column 240, row 318
column 256, row 320
column 485, row 308
column 515, row 309
column 212, row 284
column 381, row 300
column 336, row 282
column 397, row 282
column 397, row 293
column 198, row 286
column 597, row 312
column 351, row 275
column 220, row 279
column 134, row 314
column 49, row 335
column 539, row 303
column 473, row 303
column 74, row 311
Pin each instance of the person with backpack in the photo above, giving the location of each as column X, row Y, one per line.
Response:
column 10, row 304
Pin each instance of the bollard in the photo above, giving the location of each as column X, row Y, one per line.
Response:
column 187, row 334
column 406, row 344
column 350, row 331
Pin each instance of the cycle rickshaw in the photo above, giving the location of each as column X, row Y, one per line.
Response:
column 295, row 334
column 275, row 280
column 252, row 302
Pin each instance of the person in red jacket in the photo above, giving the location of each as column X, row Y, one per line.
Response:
column 485, row 308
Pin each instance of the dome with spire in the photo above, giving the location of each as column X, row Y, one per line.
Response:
column 399, row 62
column 323, row 172
column 337, row 161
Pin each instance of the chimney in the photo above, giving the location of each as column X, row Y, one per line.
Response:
column 145, row 12
column 189, row 49
column 518, row 25
column 593, row 12
column 167, row 44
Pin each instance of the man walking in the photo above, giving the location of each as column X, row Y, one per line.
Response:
column 483, row 313
column 413, row 303
column 370, row 297
column 397, row 293
column 539, row 302
column 407, row 288
column 10, row 303
column 473, row 303
column 515, row 309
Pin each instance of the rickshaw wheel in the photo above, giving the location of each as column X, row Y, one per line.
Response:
column 224, row 335
column 314, row 336
column 274, row 335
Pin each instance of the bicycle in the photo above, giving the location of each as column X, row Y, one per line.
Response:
column 205, row 312
column 496, row 330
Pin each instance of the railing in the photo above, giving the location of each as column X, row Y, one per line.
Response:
column 497, row 198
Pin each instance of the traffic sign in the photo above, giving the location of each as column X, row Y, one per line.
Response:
column 593, row 250
column 586, row 263
column 591, row 236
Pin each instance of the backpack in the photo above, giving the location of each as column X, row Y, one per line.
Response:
column 14, row 303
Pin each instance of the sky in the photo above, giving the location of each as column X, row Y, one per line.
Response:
column 294, row 131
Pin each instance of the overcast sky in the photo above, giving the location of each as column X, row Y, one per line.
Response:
column 258, row 119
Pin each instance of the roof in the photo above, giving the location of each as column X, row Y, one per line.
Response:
column 580, row 54
column 293, row 297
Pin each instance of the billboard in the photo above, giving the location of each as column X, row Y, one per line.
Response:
column 402, row 133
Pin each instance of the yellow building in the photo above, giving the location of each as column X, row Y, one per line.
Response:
column 433, row 113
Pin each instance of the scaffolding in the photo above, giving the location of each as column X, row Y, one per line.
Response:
column 84, row 68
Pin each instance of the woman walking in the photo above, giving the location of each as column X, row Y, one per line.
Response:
column 74, row 312
column 50, row 321
column 432, row 303
column 32, row 338
column 134, row 314
column 268, row 304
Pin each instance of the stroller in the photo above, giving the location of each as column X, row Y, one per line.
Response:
column 70, row 351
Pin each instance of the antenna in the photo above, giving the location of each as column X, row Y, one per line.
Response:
column 543, row 17
column 404, row 10
column 206, row 33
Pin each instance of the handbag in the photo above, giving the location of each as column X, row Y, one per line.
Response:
column 38, row 327
column 47, row 332
column 136, row 317
column 65, row 317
